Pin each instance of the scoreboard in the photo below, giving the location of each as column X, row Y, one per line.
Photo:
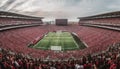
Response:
column 61, row 22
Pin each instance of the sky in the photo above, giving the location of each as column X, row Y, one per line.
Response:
column 52, row 9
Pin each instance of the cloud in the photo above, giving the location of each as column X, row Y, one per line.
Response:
column 5, row 4
column 115, row 5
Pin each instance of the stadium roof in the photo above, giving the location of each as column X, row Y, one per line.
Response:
column 104, row 15
column 16, row 15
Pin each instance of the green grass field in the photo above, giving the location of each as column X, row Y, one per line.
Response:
column 63, row 39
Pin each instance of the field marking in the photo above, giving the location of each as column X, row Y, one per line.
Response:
column 75, row 42
column 59, row 40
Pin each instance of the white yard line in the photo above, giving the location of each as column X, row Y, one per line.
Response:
column 75, row 42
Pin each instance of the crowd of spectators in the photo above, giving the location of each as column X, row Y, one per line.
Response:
column 95, row 39
column 109, row 59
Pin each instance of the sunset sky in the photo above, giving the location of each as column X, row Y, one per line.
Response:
column 51, row 9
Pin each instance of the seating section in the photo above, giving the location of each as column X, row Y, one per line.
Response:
column 12, row 21
column 109, row 59
column 105, row 21
column 96, row 40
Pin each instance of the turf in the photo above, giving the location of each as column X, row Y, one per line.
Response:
column 63, row 39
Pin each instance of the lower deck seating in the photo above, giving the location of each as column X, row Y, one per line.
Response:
column 95, row 38
column 109, row 59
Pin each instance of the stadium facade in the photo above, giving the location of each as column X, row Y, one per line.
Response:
column 9, row 20
column 109, row 20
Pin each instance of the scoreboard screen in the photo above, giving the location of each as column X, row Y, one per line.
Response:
column 62, row 22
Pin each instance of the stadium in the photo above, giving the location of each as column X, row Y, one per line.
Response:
column 27, row 42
